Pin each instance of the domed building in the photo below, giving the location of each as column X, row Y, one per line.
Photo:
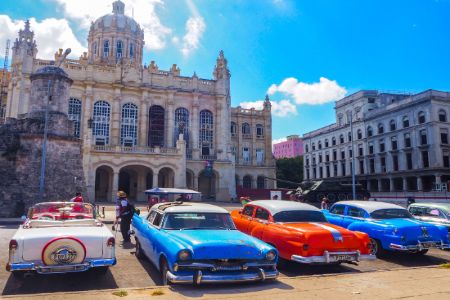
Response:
column 142, row 127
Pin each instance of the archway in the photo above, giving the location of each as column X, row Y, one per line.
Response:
column 247, row 182
column 134, row 180
column 166, row 177
column 103, row 184
column 207, row 185
column 190, row 179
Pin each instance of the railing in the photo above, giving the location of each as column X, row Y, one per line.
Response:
column 208, row 157
column 246, row 136
column 169, row 150
column 134, row 149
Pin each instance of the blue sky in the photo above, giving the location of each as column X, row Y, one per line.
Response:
column 283, row 47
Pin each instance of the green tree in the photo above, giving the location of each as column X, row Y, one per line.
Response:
column 290, row 169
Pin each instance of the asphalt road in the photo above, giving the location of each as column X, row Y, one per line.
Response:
column 131, row 272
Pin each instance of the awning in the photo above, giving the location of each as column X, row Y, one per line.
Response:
column 169, row 191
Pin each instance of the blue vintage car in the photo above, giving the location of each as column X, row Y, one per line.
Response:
column 198, row 243
column 389, row 226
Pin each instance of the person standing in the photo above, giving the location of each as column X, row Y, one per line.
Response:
column 78, row 198
column 324, row 203
column 126, row 211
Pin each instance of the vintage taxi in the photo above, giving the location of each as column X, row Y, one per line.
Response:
column 435, row 213
column 198, row 243
column 301, row 233
column 61, row 237
column 389, row 226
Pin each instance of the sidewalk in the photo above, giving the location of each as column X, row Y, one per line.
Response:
column 411, row 283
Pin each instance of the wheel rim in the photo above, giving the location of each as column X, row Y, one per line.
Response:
column 373, row 246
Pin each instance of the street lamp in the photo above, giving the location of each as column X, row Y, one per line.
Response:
column 44, row 143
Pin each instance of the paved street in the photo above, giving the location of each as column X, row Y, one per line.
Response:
column 133, row 273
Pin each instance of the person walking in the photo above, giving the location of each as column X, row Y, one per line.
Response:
column 324, row 203
column 126, row 211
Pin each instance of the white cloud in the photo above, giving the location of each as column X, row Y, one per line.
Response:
column 320, row 92
column 282, row 108
column 195, row 26
column 276, row 141
column 50, row 34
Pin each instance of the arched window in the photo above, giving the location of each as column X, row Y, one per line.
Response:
column 128, row 125
column 259, row 131
column 74, row 115
column 349, row 136
column 442, row 116
column 182, row 125
column 319, row 145
column 246, row 130
column 119, row 50
column 106, row 48
column 131, row 50
column 233, row 129
column 359, row 134
column 206, row 136
column 100, row 130
column 380, row 128
column 392, row 125
column 261, row 182
column 247, row 182
column 306, row 148
column 405, row 122
column 421, row 117
column 313, row 146
column 333, row 141
column 326, row 143
column 156, row 126
column 369, row 131
column 341, row 138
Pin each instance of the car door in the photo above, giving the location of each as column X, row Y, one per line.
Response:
column 243, row 222
column 352, row 214
column 259, row 223
column 336, row 214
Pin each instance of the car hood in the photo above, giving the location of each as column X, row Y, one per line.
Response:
column 221, row 244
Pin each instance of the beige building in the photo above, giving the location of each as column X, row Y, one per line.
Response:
column 143, row 127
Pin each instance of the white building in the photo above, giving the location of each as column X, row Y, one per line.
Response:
column 400, row 142
column 131, row 117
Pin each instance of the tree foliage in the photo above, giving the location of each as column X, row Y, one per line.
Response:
column 290, row 169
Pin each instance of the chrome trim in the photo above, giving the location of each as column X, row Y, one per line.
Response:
column 327, row 257
column 217, row 267
column 62, row 268
column 419, row 246
column 261, row 275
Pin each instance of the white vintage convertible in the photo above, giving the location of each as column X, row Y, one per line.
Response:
column 61, row 237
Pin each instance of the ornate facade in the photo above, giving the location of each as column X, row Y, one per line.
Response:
column 143, row 127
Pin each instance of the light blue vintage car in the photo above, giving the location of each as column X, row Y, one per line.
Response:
column 198, row 243
column 389, row 226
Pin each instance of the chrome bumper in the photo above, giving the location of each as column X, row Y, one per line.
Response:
column 200, row 278
column 333, row 257
column 419, row 246
column 61, row 268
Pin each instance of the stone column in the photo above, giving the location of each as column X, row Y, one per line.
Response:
column 115, row 119
column 155, row 179
column 195, row 178
column 180, row 172
column 419, row 183
column 115, row 185
column 405, row 184
column 391, row 184
column 254, row 182
column 170, row 121
column 438, row 179
column 380, row 185
column 195, row 127
column 141, row 182
column 143, row 121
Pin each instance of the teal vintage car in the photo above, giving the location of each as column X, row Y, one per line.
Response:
column 199, row 243
column 434, row 213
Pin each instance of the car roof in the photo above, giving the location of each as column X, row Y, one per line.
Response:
column 180, row 207
column 276, row 206
column 370, row 206
column 444, row 206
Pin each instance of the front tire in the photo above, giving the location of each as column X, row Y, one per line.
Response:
column 164, row 269
column 376, row 248
column 139, row 253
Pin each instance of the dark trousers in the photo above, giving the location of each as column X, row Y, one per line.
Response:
column 125, row 228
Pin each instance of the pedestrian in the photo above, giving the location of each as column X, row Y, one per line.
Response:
column 275, row 197
column 410, row 201
column 324, row 203
column 77, row 198
column 126, row 211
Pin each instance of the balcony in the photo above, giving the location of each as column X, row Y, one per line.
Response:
column 134, row 149
column 246, row 136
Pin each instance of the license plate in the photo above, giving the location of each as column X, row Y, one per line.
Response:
column 343, row 257
column 428, row 245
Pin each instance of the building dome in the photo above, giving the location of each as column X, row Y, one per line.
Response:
column 117, row 20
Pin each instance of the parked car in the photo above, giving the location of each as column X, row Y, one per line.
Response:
column 301, row 232
column 198, row 243
column 61, row 237
column 389, row 226
column 435, row 213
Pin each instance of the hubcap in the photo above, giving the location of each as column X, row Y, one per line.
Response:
column 373, row 247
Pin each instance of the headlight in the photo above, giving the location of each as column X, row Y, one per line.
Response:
column 271, row 255
column 184, row 255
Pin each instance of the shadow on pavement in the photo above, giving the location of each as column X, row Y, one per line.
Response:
column 412, row 260
column 35, row 283
column 151, row 270
column 292, row 269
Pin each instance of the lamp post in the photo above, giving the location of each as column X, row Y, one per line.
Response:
column 353, row 159
column 44, row 143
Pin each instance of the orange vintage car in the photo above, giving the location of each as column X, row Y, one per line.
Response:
column 301, row 233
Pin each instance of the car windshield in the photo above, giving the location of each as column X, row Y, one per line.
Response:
column 299, row 216
column 61, row 210
column 391, row 213
column 194, row 220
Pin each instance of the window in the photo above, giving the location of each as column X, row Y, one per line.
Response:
column 119, row 50
column 349, row 136
column 313, row 147
column 394, row 145
column 156, row 126
column 421, row 117
column 328, row 171
column 350, row 152
column 405, row 122
column 327, row 157
column 261, row 182
column 74, row 115
column 355, row 212
column 262, row 214
column 320, row 172
column 446, row 160
column 409, row 164
column 319, row 145
column 335, row 169
column 246, row 130
column 392, row 125
column 314, row 160
column 395, row 162
column 259, row 156
column 370, row 148
column 343, row 168
column 372, row 165
column 259, row 131
column 334, row 154
column 444, row 136
column 246, row 155
column 131, row 50
column 233, row 129
column 157, row 219
column 423, row 137
column 206, row 131
column 382, row 147
column 333, row 141
column 307, row 173
column 380, row 128
column 106, row 48
column 306, row 148
column 341, row 138
column 248, row 210
column 359, row 134
column 442, row 116
column 181, row 125
column 326, row 143
column 320, row 158
column 337, row 209
column 369, row 131
column 247, row 182
column 425, row 160
column 361, row 166
column 371, row 100
column 383, row 164
column 306, row 161
column 128, row 125
column 100, row 130
column 360, row 150
column 407, row 140
column 342, row 154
